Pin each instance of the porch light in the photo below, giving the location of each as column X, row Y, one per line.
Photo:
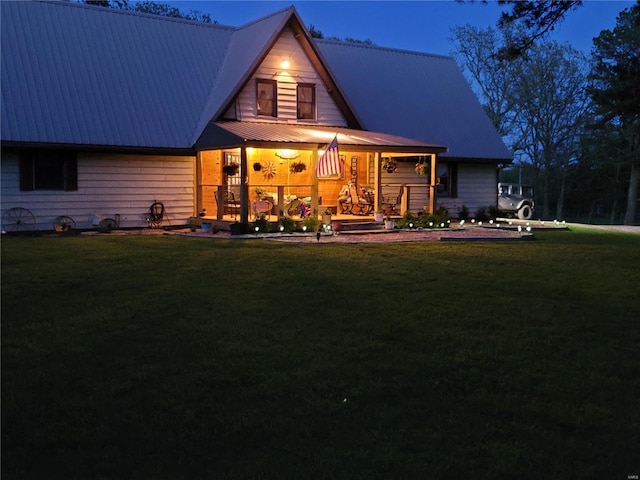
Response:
column 287, row 153
column 285, row 64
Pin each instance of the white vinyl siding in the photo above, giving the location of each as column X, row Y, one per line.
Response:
column 300, row 71
column 477, row 187
column 109, row 184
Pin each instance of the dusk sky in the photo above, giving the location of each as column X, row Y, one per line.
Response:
column 422, row 26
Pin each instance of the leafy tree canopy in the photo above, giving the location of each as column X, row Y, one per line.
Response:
column 154, row 8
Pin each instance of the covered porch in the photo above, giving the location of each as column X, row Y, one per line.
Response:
column 246, row 169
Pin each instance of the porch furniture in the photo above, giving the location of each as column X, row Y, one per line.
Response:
column 359, row 204
column 390, row 203
column 261, row 207
column 228, row 203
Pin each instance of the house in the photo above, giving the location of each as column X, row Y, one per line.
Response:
column 105, row 112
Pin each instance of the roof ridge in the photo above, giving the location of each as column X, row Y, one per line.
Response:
column 134, row 13
column 378, row 47
column 290, row 8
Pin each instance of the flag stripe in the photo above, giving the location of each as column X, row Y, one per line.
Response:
column 330, row 164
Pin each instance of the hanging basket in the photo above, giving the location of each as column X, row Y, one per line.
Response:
column 297, row 167
column 389, row 165
column 422, row 169
column 231, row 169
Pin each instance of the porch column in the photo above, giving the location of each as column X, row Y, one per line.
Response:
column 244, row 187
column 377, row 181
column 197, row 187
column 315, row 156
column 432, row 185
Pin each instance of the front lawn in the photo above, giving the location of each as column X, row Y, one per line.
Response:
column 165, row 357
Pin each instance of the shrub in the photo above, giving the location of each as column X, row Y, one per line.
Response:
column 262, row 223
column 312, row 222
column 287, row 223
column 481, row 214
column 463, row 213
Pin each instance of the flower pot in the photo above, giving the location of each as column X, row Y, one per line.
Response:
column 336, row 226
column 389, row 224
column 326, row 219
column 206, row 227
column 378, row 216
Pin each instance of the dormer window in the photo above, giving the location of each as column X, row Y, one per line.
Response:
column 267, row 97
column 306, row 99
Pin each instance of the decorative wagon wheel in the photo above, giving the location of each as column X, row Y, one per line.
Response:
column 106, row 225
column 156, row 214
column 18, row 219
column 64, row 224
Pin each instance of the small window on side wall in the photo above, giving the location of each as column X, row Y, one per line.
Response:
column 306, row 99
column 447, row 180
column 48, row 170
column 267, row 97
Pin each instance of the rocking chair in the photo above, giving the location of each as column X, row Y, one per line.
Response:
column 360, row 203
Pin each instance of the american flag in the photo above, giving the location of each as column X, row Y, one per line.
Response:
column 329, row 163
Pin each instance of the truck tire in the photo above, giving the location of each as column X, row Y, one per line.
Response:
column 525, row 212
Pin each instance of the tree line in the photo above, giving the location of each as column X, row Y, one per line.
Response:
column 571, row 120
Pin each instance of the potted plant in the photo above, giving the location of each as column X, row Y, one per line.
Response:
column 379, row 216
column 326, row 217
column 231, row 169
column 388, row 223
column 206, row 227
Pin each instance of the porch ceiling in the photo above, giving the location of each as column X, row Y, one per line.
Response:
column 277, row 135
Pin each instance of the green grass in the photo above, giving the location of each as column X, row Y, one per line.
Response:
column 163, row 357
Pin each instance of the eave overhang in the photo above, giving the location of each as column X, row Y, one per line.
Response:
column 232, row 134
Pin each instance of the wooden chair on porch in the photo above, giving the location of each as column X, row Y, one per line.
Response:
column 390, row 203
column 359, row 204
column 230, row 206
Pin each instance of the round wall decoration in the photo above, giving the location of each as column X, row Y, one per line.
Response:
column 269, row 170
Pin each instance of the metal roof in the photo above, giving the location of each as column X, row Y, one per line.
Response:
column 77, row 74
column 86, row 75
column 233, row 134
column 414, row 94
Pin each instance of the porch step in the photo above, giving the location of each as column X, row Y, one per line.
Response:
column 359, row 225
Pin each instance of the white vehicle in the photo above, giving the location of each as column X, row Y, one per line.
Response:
column 516, row 199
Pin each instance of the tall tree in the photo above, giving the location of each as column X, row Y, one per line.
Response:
column 615, row 89
column 551, row 93
column 535, row 18
column 537, row 103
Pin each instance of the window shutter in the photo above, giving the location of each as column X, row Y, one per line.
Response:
column 26, row 171
column 71, row 172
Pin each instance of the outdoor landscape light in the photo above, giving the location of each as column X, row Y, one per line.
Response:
column 410, row 225
column 442, row 225
column 528, row 228
column 281, row 228
column 461, row 222
column 257, row 229
column 304, row 228
column 480, row 222
column 431, row 224
column 519, row 228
